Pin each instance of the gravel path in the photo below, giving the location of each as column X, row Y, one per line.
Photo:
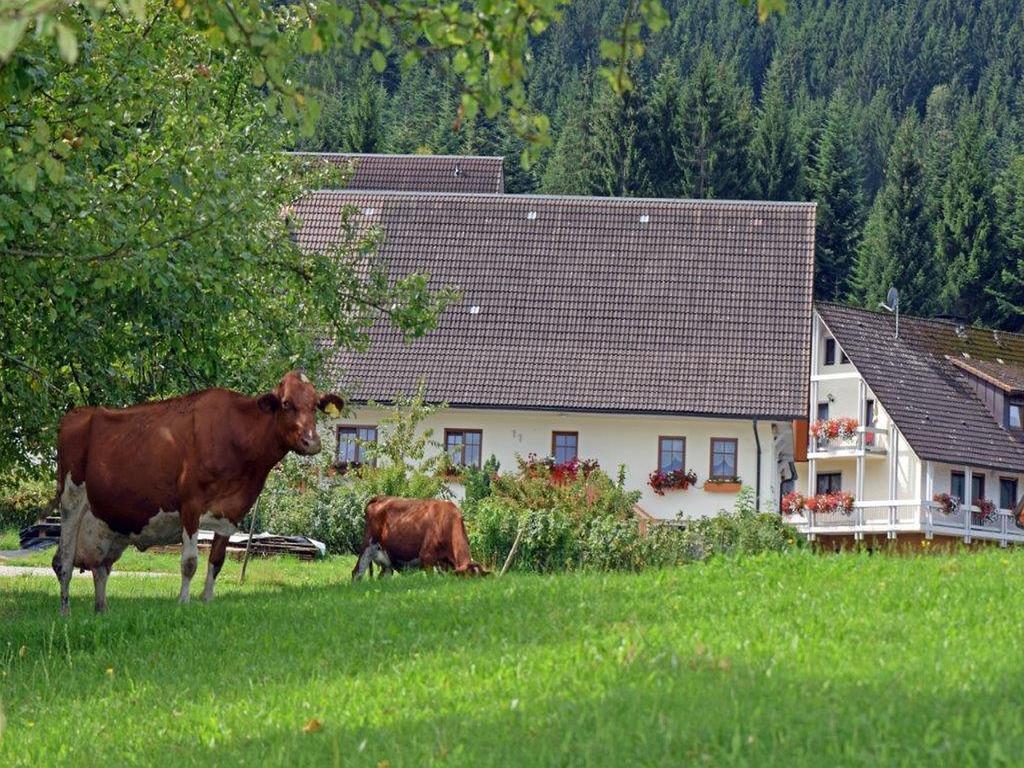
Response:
column 13, row 570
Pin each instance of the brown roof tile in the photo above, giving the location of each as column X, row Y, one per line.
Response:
column 1009, row 378
column 927, row 396
column 593, row 304
column 419, row 173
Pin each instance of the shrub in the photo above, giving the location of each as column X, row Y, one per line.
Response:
column 24, row 500
column 744, row 531
column 550, row 542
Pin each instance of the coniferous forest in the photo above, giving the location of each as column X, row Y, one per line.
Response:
column 904, row 120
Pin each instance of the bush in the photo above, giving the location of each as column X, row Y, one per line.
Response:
column 24, row 500
column 550, row 540
column 744, row 531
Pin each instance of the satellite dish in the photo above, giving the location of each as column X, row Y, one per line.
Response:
column 892, row 298
column 892, row 304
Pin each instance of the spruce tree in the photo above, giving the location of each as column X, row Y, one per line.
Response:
column 659, row 137
column 966, row 238
column 714, row 132
column 836, row 186
column 1009, row 194
column 778, row 172
column 571, row 169
column 897, row 248
column 619, row 164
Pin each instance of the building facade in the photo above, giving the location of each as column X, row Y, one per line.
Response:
column 646, row 333
column 903, row 420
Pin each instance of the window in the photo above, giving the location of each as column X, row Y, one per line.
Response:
column 463, row 446
column 869, row 421
column 823, row 411
column 723, row 456
column 1015, row 414
column 956, row 487
column 830, row 481
column 352, row 444
column 1008, row 493
column 843, row 359
column 671, row 453
column 830, row 351
column 564, row 446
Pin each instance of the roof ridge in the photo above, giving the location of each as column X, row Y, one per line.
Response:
column 387, row 154
column 799, row 204
column 919, row 318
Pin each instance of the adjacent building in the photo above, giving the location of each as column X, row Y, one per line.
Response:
column 668, row 335
column 927, row 428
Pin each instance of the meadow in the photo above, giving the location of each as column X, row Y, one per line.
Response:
column 790, row 660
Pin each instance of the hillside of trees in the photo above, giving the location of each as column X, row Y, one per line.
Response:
column 903, row 120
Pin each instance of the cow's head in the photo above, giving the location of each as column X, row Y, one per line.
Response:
column 294, row 405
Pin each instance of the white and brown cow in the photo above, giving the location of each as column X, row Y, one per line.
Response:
column 157, row 472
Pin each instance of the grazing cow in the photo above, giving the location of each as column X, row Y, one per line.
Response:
column 405, row 533
column 157, row 472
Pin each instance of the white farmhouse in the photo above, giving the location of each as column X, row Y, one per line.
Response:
column 937, row 447
column 655, row 334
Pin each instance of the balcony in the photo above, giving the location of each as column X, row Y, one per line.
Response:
column 865, row 441
column 893, row 517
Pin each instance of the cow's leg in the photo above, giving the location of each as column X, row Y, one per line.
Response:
column 99, row 582
column 189, row 557
column 73, row 505
column 218, row 551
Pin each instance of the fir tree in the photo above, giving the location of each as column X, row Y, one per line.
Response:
column 836, row 186
column 1009, row 194
column 571, row 168
column 619, row 165
column 897, row 249
column 966, row 239
column 776, row 160
column 659, row 136
column 714, row 132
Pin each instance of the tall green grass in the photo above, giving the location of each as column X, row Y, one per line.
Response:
column 775, row 660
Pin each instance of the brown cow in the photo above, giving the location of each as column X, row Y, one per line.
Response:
column 157, row 472
column 405, row 533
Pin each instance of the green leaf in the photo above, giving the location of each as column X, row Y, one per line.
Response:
column 378, row 60
column 11, row 32
column 26, row 177
column 54, row 169
column 67, row 43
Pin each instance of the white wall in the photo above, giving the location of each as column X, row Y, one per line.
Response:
column 613, row 440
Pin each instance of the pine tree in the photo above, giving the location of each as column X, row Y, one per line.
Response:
column 1009, row 194
column 966, row 239
column 836, row 186
column 659, row 136
column 714, row 131
column 897, row 249
column 363, row 130
column 778, row 172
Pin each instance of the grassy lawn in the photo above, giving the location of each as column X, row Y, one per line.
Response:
column 799, row 660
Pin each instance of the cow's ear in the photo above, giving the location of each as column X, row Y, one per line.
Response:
column 269, row 403
column 331, row 405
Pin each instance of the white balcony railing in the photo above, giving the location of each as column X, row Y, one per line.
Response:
column 869, row 441
column 895, row 516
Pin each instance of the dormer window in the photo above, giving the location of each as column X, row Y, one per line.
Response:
column 1015, row 414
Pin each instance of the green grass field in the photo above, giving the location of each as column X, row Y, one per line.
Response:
column 783, row 660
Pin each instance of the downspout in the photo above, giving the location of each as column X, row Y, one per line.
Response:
column 757, row 497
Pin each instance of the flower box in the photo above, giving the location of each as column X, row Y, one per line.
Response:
column 674, row 480
column 722, row 486
column 835, row 501
column 826, row 430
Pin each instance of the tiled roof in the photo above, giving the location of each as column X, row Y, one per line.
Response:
column 592, row 304
column 928, row 397
column 1009, row 378
column 419, row 173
